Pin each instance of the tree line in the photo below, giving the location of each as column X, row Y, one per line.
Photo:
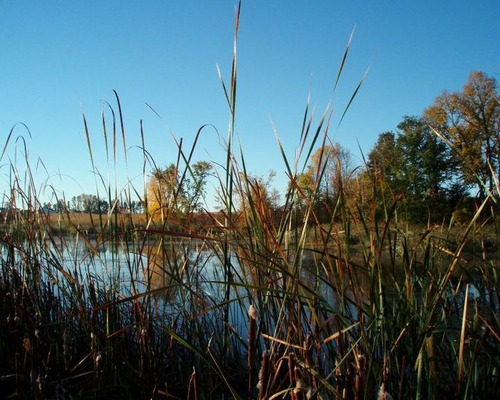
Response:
column 427, row 168
column 91, row 203
column 448, row 158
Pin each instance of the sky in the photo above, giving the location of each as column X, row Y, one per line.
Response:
column 63, row 61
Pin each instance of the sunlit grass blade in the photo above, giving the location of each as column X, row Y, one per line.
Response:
column 344, row 58
column 353, row 96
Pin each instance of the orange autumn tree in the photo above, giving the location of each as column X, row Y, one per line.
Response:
column 469, row 121
column 328, row 172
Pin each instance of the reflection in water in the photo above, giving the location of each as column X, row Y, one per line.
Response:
column 158, row 272
column 184, row 272
column 175, row 267
column 187, row 281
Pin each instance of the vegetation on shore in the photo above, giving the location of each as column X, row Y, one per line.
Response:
column 343, row 290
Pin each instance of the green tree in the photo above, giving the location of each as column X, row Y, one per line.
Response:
column 426, row 159
column 384, row 161
column 194, row 185
column 470, row 122
column 84, row 202
column 413, row 164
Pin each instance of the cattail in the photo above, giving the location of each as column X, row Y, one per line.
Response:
column 349, row 383
column 67, row 348
column 339, row 380
column 402, row 380
column 291, row 373
column 252, row 322
column 252, row 312
column 308, row 348
column 382, row 393
column 302, row 384
column 264, row 375
column 360, row 377
column 192, row 384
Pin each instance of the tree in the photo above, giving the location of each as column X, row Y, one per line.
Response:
column 384, row 161
column 328, row 171
column 136, row 207
column 162, row 192
column 425, row 159
column 76, row 203
column 171, row 195
column 415, row 165
column 194, row 186
column 89, row 203
column 470, row 122
column 60, row 206
column 258, row 204
column 258, row 192
column 329, row 167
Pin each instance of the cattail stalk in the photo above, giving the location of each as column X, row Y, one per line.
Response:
column 252, row 328
column 264, row 376
column 291, row 374
column 402, row 378
column 360, row 378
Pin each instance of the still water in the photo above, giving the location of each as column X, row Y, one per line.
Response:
column 173, row 277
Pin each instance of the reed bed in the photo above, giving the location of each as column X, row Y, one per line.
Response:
column 253, row 303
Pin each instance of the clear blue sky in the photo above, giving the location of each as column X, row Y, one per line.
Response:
column 61, row 59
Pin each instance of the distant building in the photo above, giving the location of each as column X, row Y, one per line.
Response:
column 46, row 210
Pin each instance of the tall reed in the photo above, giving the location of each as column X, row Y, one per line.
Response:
column 254, row 302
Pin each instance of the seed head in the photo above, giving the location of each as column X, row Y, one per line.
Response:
column 252, row 312
column 382, row 394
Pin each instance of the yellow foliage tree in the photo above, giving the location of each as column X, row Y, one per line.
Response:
column 162, row 193
column 172, row 195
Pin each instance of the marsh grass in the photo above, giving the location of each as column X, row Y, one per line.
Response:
column 254, row 304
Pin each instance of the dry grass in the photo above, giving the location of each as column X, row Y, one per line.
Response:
column 88, row 222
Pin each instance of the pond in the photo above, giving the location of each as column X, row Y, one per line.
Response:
column 188, row 279
column 173, row 278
